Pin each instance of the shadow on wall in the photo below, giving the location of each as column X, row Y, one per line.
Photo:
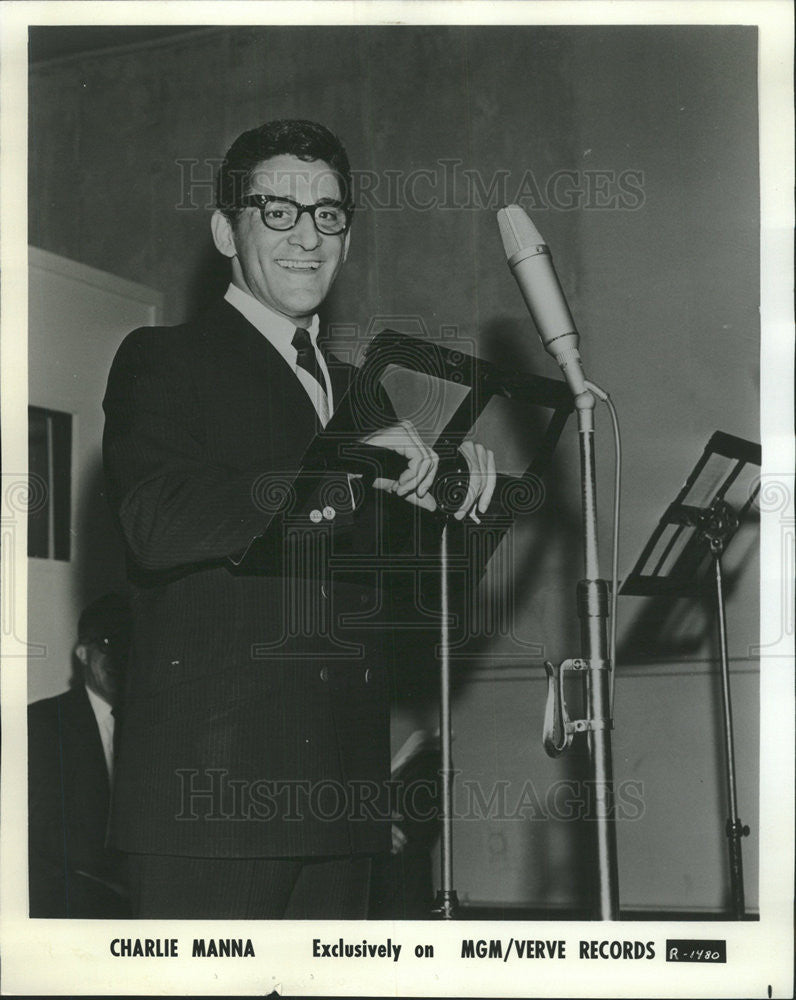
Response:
column 549, row 535
column 561, row 853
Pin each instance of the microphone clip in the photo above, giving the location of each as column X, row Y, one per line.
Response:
column 559, row 729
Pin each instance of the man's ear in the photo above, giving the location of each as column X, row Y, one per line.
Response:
column 223, row 236
column 346, row 243
column 81, row 652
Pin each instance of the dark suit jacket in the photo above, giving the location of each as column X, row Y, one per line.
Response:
column 252, row 723
column 68, row 801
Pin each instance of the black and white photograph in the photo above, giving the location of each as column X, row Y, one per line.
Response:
column 397, row 499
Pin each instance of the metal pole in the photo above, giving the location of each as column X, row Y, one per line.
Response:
column 446, row 902
column 735, row 829
column 593, row 611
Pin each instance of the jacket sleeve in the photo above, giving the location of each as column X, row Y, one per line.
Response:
column 175, row 507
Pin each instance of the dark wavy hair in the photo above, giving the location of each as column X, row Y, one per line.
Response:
column 303, row 139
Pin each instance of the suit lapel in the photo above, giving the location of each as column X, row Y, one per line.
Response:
column 261, row 373
column 232, row 333
column 235, row 335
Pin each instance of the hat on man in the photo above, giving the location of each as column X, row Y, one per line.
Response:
column 108, row 616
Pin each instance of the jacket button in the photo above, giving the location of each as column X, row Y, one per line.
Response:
column 367, row 676
column 324, row 674
column 329, row 513
column 316, row 516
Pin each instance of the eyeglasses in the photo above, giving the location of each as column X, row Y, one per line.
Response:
column 330, row 217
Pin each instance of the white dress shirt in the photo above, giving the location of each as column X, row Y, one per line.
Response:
column 279, row 331
column 105, row 724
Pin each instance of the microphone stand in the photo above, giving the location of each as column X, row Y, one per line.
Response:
column 595, row 667
column 531, row 263
column 593, row 612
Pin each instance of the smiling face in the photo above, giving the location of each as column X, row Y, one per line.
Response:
column 291, row 272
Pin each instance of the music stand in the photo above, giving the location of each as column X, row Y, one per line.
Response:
column 692, row 534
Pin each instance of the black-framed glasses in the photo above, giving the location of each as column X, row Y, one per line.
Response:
column 332, row 218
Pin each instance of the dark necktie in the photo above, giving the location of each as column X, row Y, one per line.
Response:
column 307, row 359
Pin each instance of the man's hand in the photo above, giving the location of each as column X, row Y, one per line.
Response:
column 399, row 839
column 483, row 477
column 415, row 481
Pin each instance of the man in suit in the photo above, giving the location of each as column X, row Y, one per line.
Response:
column 255, row 749
column 72, row 871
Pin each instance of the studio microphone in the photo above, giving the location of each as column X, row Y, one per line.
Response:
column 532, row 265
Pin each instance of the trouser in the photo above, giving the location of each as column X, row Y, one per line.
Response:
column 176, row 888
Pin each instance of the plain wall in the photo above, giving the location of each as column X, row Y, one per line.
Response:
column 78, row 317
column 652, row 133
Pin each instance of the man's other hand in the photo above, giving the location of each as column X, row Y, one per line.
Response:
column 483, row 477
